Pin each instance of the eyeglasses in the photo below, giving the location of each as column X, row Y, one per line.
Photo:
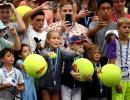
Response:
column 119, row 1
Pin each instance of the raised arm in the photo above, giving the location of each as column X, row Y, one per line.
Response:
column 16, row 45
column 26, row 17
column 19, row 19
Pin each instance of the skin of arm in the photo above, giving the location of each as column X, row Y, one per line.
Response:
column 21, row 24
column 4, row 86
column 20, row 87
column 27, row 15
column 16, row 45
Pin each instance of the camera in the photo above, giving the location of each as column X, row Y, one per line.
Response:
column 68, row 18
column 91, row 14
column 128, row 9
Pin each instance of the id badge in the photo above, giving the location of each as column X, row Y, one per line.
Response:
column 125, row 72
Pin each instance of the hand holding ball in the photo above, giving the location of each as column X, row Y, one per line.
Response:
column 110, row 75
column 84, row 67
column 52, row 55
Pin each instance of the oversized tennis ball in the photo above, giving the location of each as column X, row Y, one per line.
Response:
column 35, row 65
column 110, row 75
column 21, row 11
column 53, row 55
column 84, row 67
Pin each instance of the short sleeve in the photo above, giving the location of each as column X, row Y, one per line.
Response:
column 20, row 77
column 111, row 49
column 5, row 43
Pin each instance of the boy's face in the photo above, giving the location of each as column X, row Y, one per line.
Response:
column 77, row 46
column 5, row 14
column 8, row 58
column 95, row 55
column 38, row 22
column 124, row 30
column 105, row 10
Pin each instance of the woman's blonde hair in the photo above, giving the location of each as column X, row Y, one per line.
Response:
column 123, row 20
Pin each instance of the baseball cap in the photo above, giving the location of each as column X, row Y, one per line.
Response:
column 2, row 26
column 112, row 32
column 78, row 38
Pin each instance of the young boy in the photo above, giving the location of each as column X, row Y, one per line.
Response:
column 119, row 54
column 11, row 79
column 71, row 88
column 5, row 43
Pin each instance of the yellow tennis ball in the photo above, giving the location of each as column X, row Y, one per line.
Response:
column 129, row 35
column 35, row 65
column 53, row 55
column 21, row 11
column 84, row 67
column 110, row 75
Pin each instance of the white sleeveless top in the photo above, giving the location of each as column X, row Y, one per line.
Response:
column 124, row 67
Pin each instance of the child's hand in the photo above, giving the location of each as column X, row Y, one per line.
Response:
column 80, row 51
column 76, row 75
column 18, row 88
column 7, row 85
column 118, row 88
column 88, row 77
column 12, row 30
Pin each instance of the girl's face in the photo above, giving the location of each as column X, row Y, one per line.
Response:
column 77, row 46
column 54, row 40
column 8, row 58
column 25, row 52
column 96, row 54
column 124, row 30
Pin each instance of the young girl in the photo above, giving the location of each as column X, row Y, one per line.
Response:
column 119, row 54
column 97, row 91
column 50, row 83
column 29, row 93
column 11, row 79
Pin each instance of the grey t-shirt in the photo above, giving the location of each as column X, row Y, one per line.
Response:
column 99, row 37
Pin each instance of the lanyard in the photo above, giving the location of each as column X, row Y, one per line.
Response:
column 54, row 64
column 121, row 57
column 14, row 72
column 86, row 20
column 97, row 69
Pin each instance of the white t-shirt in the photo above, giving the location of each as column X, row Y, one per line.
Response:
column 13, row 77
column 29, row 35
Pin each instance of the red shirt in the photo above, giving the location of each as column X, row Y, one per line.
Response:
column 114, row 18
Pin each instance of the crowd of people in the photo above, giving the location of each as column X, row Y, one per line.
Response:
column 98, row 30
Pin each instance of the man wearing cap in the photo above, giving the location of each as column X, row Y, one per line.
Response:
column 5, row 43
